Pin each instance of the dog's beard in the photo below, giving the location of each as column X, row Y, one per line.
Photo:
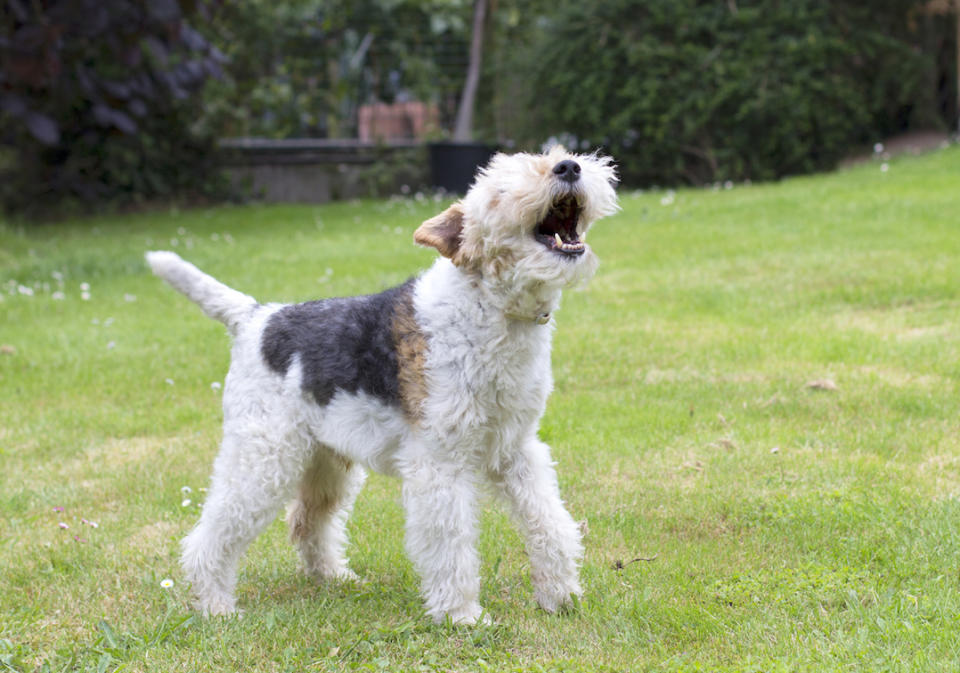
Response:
column 531, row 286
column 555, row 270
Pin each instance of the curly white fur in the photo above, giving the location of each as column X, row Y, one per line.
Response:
column 486, row 378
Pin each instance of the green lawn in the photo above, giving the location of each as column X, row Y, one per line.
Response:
column 784, row 527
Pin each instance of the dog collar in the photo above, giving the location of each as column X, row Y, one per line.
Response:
column 540, row 318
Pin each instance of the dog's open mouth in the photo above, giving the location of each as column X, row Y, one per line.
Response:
column 558, row 230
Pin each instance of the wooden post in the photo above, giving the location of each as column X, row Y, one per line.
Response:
column 463, row 129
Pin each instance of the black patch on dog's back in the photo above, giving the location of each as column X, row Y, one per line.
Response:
column 344, row 343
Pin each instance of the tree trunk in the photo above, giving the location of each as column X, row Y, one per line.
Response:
column 463, row 130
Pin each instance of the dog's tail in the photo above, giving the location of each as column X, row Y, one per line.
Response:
column 216, row 299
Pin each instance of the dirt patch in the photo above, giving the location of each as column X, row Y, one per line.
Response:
column 117, row 453
column 941, row 473
column 155, row 536
column 902, row 378
column 900, row 322
column 655, row 376
column 123, row 451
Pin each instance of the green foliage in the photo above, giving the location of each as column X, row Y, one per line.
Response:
column 699, row 90
column 301, row 68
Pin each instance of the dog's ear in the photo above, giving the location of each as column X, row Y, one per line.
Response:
column 443, row 231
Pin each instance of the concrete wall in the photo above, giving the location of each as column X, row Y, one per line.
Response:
column 316, row 171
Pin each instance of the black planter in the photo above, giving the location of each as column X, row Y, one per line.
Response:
column 453, row 165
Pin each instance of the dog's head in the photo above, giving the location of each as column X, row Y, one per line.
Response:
column 526, row 217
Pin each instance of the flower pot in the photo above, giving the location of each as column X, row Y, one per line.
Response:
column 453, row 165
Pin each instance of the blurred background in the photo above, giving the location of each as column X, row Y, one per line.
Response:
column 109, row 104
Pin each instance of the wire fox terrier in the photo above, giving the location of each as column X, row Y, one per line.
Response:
column 441, row 381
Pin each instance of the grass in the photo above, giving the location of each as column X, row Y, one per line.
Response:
column 790, row 527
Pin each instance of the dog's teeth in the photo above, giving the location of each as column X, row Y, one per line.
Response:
column 559, row 240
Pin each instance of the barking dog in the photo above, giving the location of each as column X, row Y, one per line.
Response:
column 441, row 381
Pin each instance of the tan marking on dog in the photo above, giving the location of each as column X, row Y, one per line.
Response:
column 312, row 502
column 442, row 231
column 446, row 233
column 411, row 346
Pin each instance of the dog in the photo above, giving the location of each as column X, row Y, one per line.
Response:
column 441, row 381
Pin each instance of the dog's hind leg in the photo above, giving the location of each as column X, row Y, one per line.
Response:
column 318, row 516
column 251, row 481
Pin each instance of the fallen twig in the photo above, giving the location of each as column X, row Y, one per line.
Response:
column 620, row 565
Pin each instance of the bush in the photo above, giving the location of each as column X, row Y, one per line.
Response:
column 696, row 91
column 97, row 99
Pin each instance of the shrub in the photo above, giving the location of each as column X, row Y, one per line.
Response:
column 97, row 98
column 696, row 91
column 300, row 68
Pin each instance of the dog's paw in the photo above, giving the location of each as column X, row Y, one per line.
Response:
column 342, row 574
column 558, row 598
column 337, row 573
column 466, row 616
column 218, row 607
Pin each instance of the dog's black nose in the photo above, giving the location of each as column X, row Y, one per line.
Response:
column 567, row 170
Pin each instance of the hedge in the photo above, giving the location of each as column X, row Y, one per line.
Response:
column 695, row 91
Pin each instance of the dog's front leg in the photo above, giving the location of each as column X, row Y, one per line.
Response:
column 440, row 499
column 529, row 483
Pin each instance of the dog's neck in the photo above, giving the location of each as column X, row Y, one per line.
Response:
column 533, row 308
column 532, row 303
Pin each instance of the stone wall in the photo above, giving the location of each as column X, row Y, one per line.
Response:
column 301, row 170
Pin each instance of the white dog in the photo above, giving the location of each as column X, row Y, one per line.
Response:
column 441, row 381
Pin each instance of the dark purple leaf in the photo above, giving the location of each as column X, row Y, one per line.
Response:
column 194, row 40
column 101, row 114
column 137, row 107
column 171, row 80
column 191, row 73
column 116, row 89
column 213, row 69
column 123, row 122
column 43, row 128
column 144, row 85
column 13, row 105
column 164, row 11
column 158, row 49
column 107, row 116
